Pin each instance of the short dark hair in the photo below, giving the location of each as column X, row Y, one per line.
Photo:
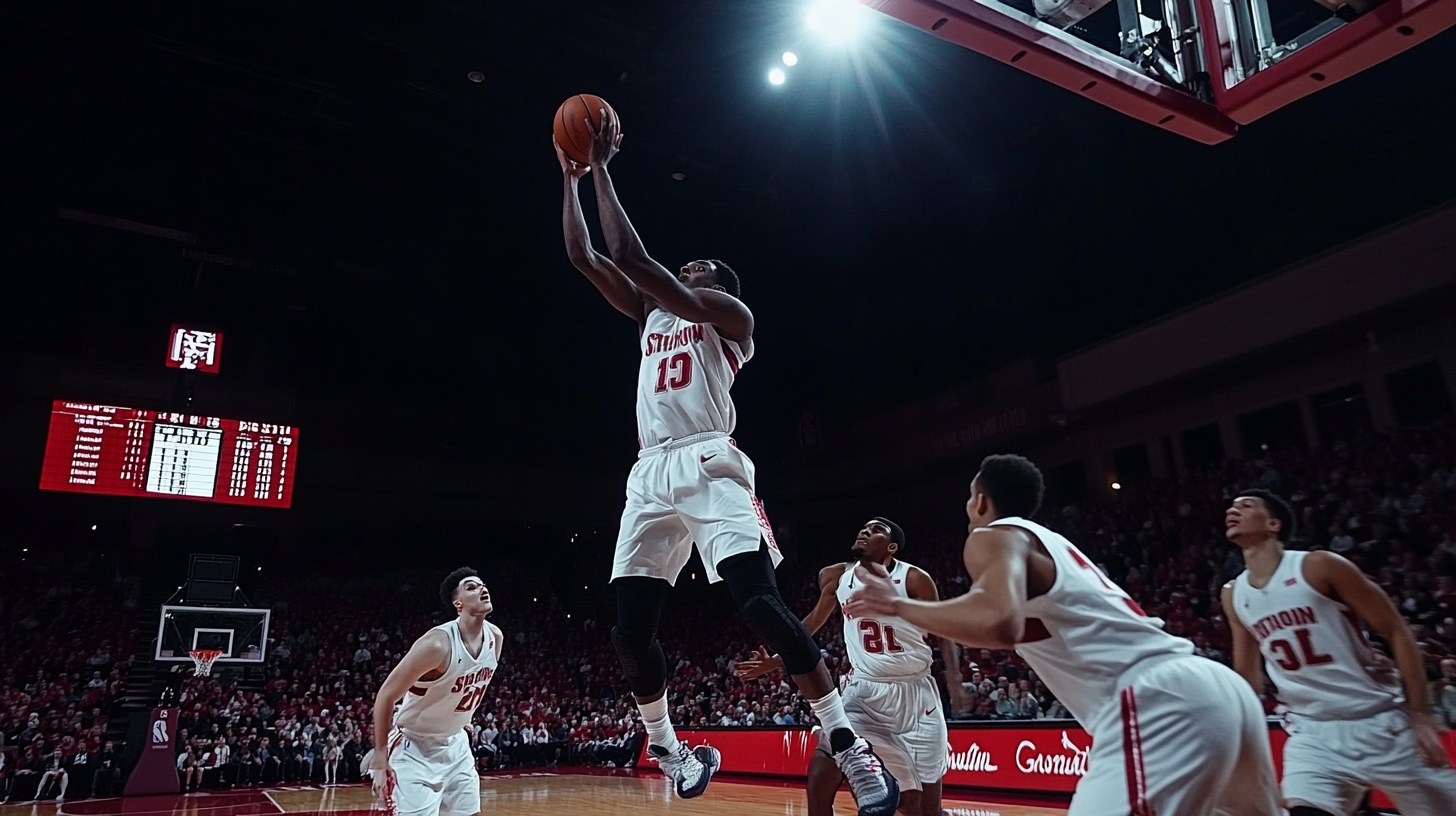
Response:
column 897, row 535
column 727, row 278
column 452, row 582
column 1277, row 507
column 1013, row 483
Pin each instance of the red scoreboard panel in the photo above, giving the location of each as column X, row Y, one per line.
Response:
column 135, row 452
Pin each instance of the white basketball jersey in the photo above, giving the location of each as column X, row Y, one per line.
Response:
column 435, row 710
column 886, row 648
column 1313, row 647
column 1085, row 633
column 682, row 384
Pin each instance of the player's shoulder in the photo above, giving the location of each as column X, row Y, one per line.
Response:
column 916, row 573
column 1319, row 567
column 1002, row 540
column 832, row 573
column 434, row 639
column 1322, row 559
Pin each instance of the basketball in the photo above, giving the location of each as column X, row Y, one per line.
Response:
column 570, row 127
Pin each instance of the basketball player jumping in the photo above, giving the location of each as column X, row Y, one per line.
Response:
column 424, row 766
column 1172, row 733
column 1299, row 615
column 891, row 699
column 691, row 483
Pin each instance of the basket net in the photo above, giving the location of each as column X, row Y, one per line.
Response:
column 203, row 660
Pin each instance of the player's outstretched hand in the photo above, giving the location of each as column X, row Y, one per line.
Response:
column 1427, row 729
column 570, row 168
column 605, row 142
column 758, row 664
column 876, row 595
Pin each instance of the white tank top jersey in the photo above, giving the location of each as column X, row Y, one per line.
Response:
column 886, row 649
column 435, row 710
column 1084, row 634
column 682, row 384
column 1313, row 647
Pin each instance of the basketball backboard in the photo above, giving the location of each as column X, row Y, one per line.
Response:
column 240, row 634
column 1198, row 68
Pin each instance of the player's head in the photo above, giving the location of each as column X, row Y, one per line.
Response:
column 878, row 540
column 1257, row 515
column 464, row 592
column 1007, row 485
column 710, row 274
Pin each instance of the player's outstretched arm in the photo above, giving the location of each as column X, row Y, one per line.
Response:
column 761, row 662
column 1247, row 661
column 604, row 275
column 722, row 310
column 991, row 616
column 430, row 653
column 1338, row 578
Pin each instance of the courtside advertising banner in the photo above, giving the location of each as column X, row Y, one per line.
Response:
column 1048, row 757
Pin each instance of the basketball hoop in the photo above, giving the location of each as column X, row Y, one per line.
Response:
column 204, row 658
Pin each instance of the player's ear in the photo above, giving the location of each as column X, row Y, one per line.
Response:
column 719, row 287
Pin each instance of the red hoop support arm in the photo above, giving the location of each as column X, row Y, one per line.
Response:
column 1381, row 33
column 1049, row 54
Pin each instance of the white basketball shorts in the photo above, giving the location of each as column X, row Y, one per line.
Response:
column 438, row 780
column 1186, row 737
column 905, row 725
column 1330, row 765
column 695, row 489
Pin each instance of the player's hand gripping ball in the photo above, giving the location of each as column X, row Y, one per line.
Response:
column 578, row 120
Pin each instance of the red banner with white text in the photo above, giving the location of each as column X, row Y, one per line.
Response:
column 1046, row 757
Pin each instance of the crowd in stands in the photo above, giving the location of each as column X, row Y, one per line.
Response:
column 66, row 637
column 1386, row 502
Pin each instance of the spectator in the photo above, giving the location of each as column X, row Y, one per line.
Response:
column 331, row 756
column 189, row 768
column 53, row 777
column 1443, row 691
column 106, row 780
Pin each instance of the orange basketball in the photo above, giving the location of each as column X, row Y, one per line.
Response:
column 570, row 127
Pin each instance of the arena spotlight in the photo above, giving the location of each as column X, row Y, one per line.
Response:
column 1116, row 486
column 776, row 76
column 837, row 20
column 791, row 59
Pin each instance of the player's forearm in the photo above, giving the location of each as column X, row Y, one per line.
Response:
column 383, row 714
column 626, row 248
column 971, row 619
column 950, row 655
column 1412, row 665
column 573, row 226
column 817, row 617
column 623, row 243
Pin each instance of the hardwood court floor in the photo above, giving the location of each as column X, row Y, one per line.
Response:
column 508, row 795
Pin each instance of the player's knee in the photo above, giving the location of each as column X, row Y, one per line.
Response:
column 642, row 660
column 767, row 616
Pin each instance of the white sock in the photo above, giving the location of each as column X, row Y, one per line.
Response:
column 830, row 711
column 659, row 725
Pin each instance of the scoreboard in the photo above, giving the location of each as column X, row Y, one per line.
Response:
column 137, row 452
